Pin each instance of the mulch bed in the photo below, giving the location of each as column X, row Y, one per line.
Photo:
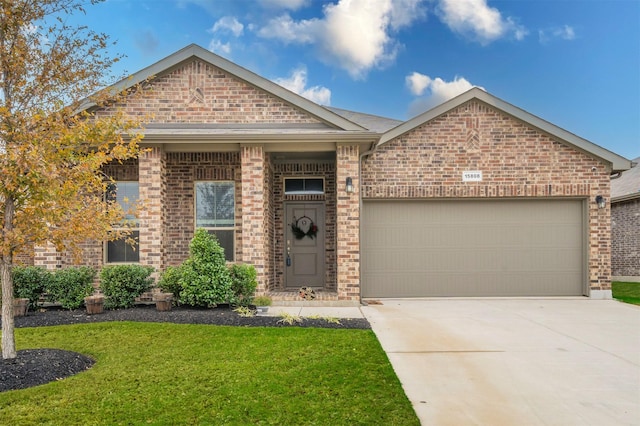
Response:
column 34, row 367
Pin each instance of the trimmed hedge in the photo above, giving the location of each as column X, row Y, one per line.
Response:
column 121, row 284
column 70, row 286
column 30, row 282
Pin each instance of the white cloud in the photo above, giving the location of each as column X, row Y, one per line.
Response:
column 438, row 91
column 297, row 83
column 565, row 32
column 475, row 19
column 353, row 34
column 228, row 24
column 417, row 83
column 283, row 4
column 285, row 29
column 223, row 49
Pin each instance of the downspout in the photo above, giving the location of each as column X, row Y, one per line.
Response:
column 362, row 156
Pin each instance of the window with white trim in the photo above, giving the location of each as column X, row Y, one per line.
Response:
column 126, row 194
column 215, row 208
column 303, row 186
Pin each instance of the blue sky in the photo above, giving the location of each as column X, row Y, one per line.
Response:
column 575, row 63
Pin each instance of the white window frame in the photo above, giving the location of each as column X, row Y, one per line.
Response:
column 212, row 229
column 135, row 226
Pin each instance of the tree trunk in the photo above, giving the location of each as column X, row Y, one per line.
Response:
column 6, row 261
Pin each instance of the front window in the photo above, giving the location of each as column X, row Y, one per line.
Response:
column 215, row 212
column 124, row 250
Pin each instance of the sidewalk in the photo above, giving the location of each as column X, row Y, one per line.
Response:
column 318, row 311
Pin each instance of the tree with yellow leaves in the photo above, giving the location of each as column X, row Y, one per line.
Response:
column 52, row 147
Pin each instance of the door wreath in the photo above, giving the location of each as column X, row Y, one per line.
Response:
column 299, row 225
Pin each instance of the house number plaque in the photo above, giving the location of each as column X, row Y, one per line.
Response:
column 472, row 176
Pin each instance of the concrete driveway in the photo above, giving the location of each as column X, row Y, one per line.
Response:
column 569, row 361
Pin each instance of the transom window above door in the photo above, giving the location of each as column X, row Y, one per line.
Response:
column 215, row 212
column 303, row 186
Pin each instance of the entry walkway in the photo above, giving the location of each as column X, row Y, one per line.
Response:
column 570, row 361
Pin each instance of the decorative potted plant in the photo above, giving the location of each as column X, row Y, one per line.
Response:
column 262, row 304
column 163, row 301
column 20, row 306
column 94, row 304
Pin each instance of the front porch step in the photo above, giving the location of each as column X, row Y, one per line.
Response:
column 323, row 298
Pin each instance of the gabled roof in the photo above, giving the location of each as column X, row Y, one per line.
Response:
column 194, row 51
column 617, row 162
column 627, row 186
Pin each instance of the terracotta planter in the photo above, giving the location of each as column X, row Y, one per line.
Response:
column 163, row 301
column 20, row 307
column 94, row 304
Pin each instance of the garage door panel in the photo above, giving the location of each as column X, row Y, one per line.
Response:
column 472, row 248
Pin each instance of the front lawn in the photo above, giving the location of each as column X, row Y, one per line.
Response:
column 626, row 292
column 150, row 373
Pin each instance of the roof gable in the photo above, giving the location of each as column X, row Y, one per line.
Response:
column 193, row 52
column 627, row 186
column 617, row 162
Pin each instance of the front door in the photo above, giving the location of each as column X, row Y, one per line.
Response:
column 304, row 245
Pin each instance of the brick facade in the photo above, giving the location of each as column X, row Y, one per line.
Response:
column 625, row 228
column 516, row 161
column 198, row 92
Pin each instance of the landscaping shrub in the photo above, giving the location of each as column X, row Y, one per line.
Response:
column 121, row 284
column 70, row 286
column 30, row 282
column 170, row 281
column 243, row 284
column 205, row 279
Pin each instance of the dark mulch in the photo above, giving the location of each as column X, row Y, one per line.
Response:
column 34, row 367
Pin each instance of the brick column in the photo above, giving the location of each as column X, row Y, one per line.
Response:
column 348, row 223
column 152, row 186
column 254, row 219
column 600, row 242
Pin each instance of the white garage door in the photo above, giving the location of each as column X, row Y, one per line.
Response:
column 473, row 248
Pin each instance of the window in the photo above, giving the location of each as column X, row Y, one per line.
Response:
column 121, row 250
column 303, row 186
column 215, row 212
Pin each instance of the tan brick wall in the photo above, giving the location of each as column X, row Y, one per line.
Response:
column 516, row 161
column 625, row 229
column 348, row 223
column 197, row 92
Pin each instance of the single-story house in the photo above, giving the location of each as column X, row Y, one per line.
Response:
column 475, row 197
column 625, row 225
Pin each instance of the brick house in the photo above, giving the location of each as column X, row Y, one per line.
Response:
column 475, row 197
column 625, row 225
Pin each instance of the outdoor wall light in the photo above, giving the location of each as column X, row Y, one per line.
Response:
column 600, row 201
column 349, row 186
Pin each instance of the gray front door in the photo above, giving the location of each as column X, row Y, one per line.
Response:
column 304, row 245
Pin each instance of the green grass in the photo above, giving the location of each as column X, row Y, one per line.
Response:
column 626, row 292
column 166, row 374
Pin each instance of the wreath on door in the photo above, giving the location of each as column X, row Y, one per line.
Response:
column 299, row 225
